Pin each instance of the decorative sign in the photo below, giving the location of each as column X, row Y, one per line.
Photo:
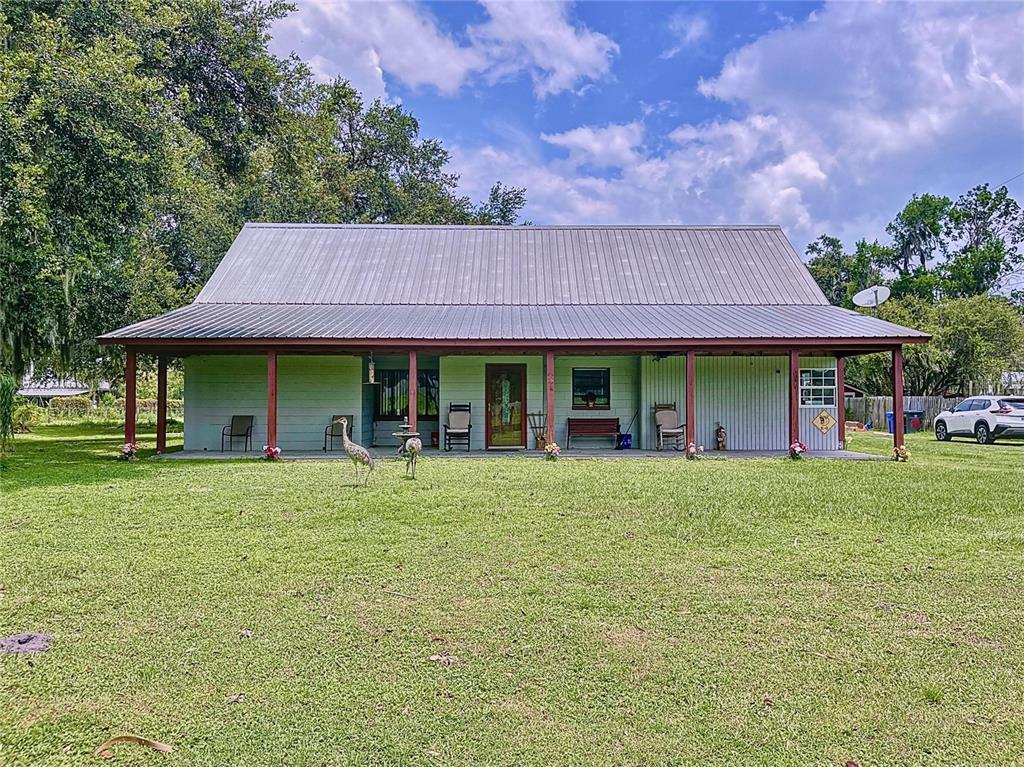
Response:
column 824, row 422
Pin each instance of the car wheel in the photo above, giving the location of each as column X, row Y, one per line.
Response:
column 982, row 434
column 941, row 432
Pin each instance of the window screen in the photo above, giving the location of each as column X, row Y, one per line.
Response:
column 818, row 387
column 392, row 398
column 591, row 389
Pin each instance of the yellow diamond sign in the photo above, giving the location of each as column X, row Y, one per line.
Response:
column 824, row 421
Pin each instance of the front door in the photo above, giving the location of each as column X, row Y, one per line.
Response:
column 506, row 406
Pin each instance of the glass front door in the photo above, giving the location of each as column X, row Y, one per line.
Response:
column 506, row 406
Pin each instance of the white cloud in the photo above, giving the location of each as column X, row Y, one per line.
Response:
column 538, row 37
column 839, row 118
column 361, row 41
column 687, row 31
column 609, row 146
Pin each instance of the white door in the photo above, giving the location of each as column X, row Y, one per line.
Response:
column 958, row 421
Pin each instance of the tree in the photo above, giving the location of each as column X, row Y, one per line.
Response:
column 974, row 340
column 137, row 137
column 939, row 249
column 917, row 232
column 989, row 227
column 840, row 275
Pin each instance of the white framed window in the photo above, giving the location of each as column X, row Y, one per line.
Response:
column 817, row 387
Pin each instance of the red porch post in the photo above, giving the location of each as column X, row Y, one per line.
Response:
column 691, row 398
column 897, row 396
column 129, row 395
column 272, row 399
column 413, row 389
column 841, row 399
column 549, row 365
column 161, row 404
column 794, row 397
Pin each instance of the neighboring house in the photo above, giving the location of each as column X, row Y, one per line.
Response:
column 41, row 390
column 1012, row 382
column 562, row 322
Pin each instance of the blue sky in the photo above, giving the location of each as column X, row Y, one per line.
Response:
column 818, row 117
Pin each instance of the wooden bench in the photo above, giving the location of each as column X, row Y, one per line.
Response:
column 592, row 427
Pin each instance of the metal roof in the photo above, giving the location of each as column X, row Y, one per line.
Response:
column 510, row 266
column 453, row 283
column 520, row 323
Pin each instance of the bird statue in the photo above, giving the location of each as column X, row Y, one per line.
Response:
column 360, row 455
column 413, row 447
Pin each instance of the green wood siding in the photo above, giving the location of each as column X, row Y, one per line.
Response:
column 218, row 387
column 462, row 380
column 749, row 396
column 310, row 389
column 625, row 379
column 662, row 381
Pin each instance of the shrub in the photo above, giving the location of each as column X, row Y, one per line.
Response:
column 70, row 407
column 26, row 416
column 8, row 392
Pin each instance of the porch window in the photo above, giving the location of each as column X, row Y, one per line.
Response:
column 392, row 394
column 817, row 387
column 591, row 389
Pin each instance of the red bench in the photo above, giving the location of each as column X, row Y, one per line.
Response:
column 592, row 427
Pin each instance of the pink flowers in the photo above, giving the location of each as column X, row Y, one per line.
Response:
column 552, row 451
column 693, row 452
column 130, row 451
column 271, row 453
column 797, row 450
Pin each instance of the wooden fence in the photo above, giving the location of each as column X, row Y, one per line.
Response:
column 873, row 409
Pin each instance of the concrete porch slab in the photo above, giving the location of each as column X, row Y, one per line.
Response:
column 577, row 453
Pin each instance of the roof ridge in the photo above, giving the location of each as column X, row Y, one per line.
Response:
column 512, row 227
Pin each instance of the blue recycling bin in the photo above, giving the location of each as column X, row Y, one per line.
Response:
column 625, row 442
column 891, row 418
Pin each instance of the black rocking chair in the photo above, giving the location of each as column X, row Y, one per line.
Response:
column 459, row 426
column 239, row 428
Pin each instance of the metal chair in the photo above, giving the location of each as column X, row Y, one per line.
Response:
column 670, row 429
column 239, row 428
column 459, row 426
column 333, row 431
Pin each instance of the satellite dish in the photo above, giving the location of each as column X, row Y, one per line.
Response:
column 872, row 297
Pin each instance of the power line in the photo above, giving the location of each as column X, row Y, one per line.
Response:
column 1014, row 178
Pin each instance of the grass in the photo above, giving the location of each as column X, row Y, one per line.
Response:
column 600, row 612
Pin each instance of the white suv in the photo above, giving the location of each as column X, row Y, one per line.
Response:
column 985, row 418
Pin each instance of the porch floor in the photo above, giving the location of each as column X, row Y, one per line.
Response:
column 433, row 452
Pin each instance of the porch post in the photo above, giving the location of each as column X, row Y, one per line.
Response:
column 691, row 398
column 897, row 396
column 272, row 399
column 413, row 389
column 129, row 395
column 794, row 396
column 161, row 404
column 841, row 398
column 549, row 364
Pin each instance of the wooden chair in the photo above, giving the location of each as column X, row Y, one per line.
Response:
column 459, row 426
column 333, row 431
column 670, row 429
column 239, row 428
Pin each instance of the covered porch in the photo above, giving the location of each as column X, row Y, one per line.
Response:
column 764, row 396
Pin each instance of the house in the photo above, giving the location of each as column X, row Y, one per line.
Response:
column 301, row 322
column 39, row 390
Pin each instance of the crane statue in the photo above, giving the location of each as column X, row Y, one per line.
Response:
column 360, row 455
column 413, row 447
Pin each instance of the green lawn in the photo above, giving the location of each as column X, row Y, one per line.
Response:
column 601, row 612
